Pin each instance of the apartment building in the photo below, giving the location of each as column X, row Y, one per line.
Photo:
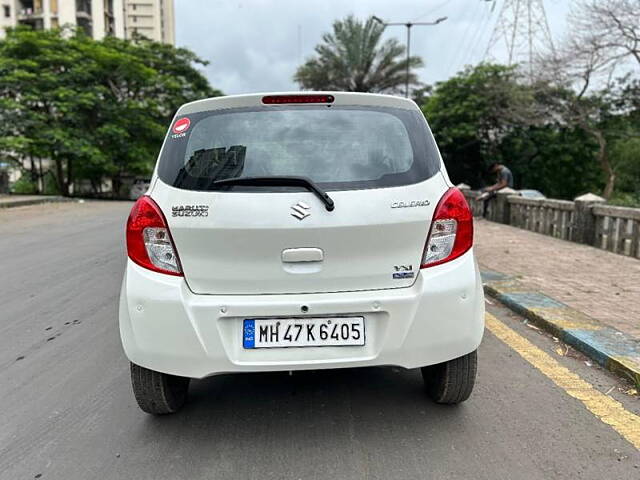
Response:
column 153, row 19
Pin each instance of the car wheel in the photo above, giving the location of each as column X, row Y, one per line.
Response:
column 451, row 382
column 158, row 393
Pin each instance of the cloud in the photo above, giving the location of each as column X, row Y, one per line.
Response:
column 256, row 45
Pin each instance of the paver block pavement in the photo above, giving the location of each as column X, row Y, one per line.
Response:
column 600, row 284
column 614, row 350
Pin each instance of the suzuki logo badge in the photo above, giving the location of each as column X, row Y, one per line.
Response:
column 300, row 210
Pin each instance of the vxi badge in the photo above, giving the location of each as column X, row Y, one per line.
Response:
column 402, row 271
column 411, row 204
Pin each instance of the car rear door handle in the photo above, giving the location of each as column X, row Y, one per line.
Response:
column 295, row 255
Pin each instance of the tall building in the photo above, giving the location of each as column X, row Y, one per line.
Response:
column 122, row 18
column 153, row 19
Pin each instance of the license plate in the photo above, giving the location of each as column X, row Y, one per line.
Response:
column 302, row 332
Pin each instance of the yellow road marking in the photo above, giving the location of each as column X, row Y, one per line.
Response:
column 607, row 409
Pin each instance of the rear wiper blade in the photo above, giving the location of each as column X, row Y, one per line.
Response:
column 303, row 182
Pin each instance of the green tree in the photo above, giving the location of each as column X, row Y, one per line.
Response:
column 353, row 59
column 603, row 41
column 555, row 159
column 32, row 99
column 471, row 113
column 96, row 109
column 622, row 126
column 487, row 114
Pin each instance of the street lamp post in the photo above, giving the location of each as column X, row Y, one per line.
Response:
column 408, row 25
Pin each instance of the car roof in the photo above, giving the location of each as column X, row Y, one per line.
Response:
column 255, row 100
column 530, row 190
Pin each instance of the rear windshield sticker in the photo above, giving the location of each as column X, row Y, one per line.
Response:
column 180, row 127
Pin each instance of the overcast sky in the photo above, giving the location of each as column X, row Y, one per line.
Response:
column 256, row 45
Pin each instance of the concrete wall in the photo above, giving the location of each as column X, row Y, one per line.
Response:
column 586, row 219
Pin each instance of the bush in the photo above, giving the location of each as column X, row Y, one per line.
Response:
column 24, row 185
column 50, row 185
column 625, row 199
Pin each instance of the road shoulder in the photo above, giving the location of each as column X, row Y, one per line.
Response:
column 612, row 349
column 12, row 201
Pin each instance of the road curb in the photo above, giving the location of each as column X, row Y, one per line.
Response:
column 614, row 350
column 33, row 201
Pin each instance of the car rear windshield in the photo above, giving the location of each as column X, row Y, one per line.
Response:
column 338, row 147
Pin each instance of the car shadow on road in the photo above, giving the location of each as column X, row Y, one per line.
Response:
column 343, row 423
column 308, row 405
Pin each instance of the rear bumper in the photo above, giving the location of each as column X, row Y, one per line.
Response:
column 165, row 327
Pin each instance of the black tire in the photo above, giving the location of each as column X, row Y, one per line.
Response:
column 158, row 393
column 451, row 382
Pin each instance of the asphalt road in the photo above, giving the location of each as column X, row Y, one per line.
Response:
column 67, row 411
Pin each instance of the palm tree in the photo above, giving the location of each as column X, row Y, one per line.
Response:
column 352, row 59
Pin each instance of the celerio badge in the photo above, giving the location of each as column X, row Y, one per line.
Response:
column 411, row 204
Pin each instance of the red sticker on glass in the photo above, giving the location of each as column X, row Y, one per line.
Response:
column 181, row 125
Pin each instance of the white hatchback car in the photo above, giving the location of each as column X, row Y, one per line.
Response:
column 295, row 232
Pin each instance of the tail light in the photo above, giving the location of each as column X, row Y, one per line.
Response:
column 451, row 233
column 149, row 241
